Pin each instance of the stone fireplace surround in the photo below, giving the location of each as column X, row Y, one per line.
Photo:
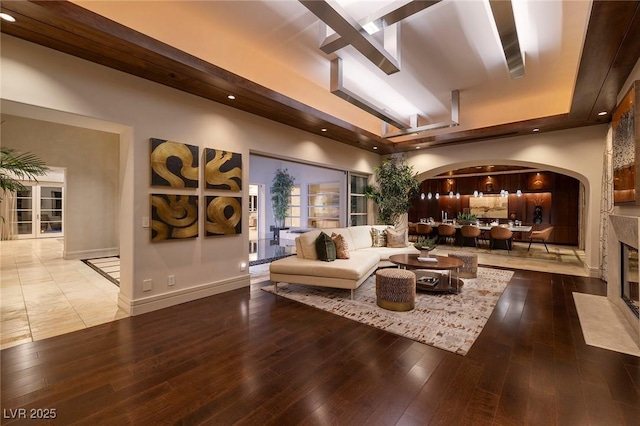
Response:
column 625, row 229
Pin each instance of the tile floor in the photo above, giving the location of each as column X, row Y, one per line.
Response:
column 43, row 295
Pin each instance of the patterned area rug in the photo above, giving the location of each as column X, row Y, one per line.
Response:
column 447, row 321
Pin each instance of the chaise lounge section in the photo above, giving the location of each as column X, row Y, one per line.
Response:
column 364, row 259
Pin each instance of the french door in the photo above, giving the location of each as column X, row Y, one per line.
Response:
column 39, row 210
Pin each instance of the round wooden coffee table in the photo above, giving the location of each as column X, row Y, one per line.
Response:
column 442, row 263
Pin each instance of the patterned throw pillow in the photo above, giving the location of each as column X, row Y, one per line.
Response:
column 326, row 248
column 396, row 238
column 378, row 237
column 342, row 248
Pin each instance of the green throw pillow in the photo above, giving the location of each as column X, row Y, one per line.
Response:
column 325, row 247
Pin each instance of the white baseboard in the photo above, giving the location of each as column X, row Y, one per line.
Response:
column 91, row 254
column 165, row 300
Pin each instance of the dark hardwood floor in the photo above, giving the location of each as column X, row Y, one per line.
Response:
column 249, row 357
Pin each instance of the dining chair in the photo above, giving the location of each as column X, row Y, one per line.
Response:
column 499, row 233
column 470, row 232
column 446, row 232
column 423, row 229
column 540, row 236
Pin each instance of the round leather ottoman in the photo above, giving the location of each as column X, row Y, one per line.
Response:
column 395, row 289
column 469, row 267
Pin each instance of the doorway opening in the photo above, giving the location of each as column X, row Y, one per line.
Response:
column 39, row 208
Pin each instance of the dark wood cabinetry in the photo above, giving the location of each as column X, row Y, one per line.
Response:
column 555, row 195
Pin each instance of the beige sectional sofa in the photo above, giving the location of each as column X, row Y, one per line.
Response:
column 364, row 259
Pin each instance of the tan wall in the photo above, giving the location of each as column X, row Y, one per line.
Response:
column 58, row 87
column 91, row 161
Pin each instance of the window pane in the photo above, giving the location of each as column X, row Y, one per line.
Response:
column 358, row 204
column 24, row 228
column 358, row 184
column 24, row 216
column 358, row 220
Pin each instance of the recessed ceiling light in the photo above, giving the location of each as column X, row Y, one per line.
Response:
column 231, row 97
column 601, row 113
column 536, row 130
column 417, row 147
column 7, row 17
column 371, row 27
column 323, row 130
column 375, row 147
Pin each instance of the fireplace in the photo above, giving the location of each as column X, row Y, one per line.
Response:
column 629, row 277
column 622, row 272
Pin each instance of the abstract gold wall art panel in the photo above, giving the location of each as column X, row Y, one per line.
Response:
column 174, row 164
column 174, row 217
column 224, row 215
column 223, row 170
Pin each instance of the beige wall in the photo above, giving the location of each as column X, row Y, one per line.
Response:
column 74, row 90
column 91, row 162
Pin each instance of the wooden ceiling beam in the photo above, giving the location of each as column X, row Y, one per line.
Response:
column 611, row 50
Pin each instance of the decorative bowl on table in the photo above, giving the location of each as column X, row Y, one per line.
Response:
column 426, row 246
column 426, row 251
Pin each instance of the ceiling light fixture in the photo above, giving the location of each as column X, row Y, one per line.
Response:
column 323, row 129
column 502, row 13
column 601, row 113
column 231, row 97
column 415, row 129
column 372, row 27
column 333, row 15
column 375, row 147
column 536, row 130
column 336, row 86
column 7, row 17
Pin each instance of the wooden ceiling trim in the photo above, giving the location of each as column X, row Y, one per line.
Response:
column 609, row 25
column 73, row 30
column 623, row 64
column 610, row 52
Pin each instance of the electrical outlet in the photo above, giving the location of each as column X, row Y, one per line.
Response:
column 171, row 280
column 147, row 285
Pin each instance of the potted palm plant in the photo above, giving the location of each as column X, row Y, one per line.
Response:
column 281, row 187
column 16, row 166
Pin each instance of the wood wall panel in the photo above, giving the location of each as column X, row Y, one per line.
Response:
column 558, row 195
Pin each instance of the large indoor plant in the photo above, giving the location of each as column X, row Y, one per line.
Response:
column 281, row 187
column 394, row 188
column 16, row 166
